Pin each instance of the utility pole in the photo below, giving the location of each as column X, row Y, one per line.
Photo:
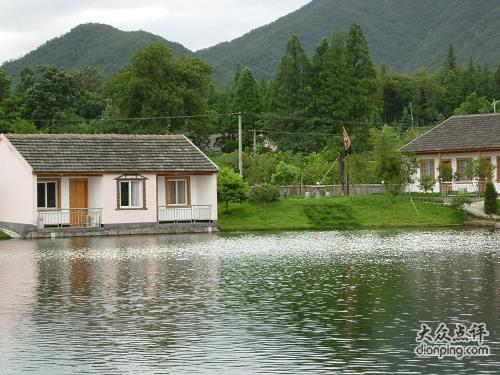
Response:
column 240, row 142
column 494, row 104
column 254, row 141
column 411, row 113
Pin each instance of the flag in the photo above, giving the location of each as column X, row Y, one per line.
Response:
column 347, row 141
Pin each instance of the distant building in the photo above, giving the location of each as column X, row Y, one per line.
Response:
column 455, row 144
column 87, row 184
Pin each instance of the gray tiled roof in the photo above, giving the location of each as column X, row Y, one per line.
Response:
column 66, row 153
column 468, row 132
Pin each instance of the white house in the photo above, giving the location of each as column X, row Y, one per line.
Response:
column 455, row 143
column 69, row 184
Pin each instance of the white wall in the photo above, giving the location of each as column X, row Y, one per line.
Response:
column 203, row 192
column 17, row 186
column 111, row 215
column 469, row 185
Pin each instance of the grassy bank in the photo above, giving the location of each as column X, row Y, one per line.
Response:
column 374, row 211
column 4, row 236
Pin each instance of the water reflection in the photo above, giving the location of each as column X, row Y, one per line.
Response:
column 289, row 303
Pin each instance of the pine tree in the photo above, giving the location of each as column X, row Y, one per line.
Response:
column 364, row 99
column 490, row 199
column 247, row 99
column 452, row 84
column 290, row 85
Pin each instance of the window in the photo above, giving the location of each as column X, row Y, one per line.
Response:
column 131, row 194
column 427, row 168
column 47, row 194
column 463, row 169
column 177, row 192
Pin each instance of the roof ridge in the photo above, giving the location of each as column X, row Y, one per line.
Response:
column 98, row 135
column 477, row 115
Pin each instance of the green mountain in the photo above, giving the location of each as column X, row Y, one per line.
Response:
column 403, row 34
column 101, row 46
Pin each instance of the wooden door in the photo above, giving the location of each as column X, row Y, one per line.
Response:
column 78, row 202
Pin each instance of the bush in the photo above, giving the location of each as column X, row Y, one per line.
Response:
column 231, row 187
column 490, row 199
column 427, row 184
column 264, row 193
column 460, row 201
column 285, row 174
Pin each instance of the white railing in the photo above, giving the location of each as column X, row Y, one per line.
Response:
column 192, row 214
column 71, row 217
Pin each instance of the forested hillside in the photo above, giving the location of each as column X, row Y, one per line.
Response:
column 403, row 34
column 90, row 45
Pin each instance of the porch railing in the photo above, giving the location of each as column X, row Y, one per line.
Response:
column 71, row 217
column 192, row 214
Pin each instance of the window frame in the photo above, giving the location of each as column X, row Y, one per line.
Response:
column 433, row 167
column 142, row 192
column 56, row 192
column 498, row 168
column 187, row 184
column 463, row 178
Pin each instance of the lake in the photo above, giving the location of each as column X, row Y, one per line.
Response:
column 314, row 302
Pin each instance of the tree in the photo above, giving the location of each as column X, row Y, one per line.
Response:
column 246, row 98
column 157, row 85
column 364, row 98
column 231, row 187
column 453, row 86
column 286, row 174
column 264, row 193
column 473, row 104
column 4, row 84
column 394, row 169
column 490, row 199
column 290, row 84
column 53, row 94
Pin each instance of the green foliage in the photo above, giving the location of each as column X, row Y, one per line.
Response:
column 258, row 168
column 286, row 174
column 156, row 85
column 460, row 201
column 392, row 168
column 427, row 184
column 264, row 193
column 231, row 187
column 473, row 104
column 490, row 199
column 246, row 98
column 445, row 173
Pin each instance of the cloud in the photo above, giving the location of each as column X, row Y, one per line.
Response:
column 24, row 25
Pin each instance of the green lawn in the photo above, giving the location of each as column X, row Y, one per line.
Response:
column 4, row 236
column 374, row 211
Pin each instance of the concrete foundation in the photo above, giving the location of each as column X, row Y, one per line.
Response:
column 124, row 230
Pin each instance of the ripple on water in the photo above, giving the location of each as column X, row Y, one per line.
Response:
column 282, row 303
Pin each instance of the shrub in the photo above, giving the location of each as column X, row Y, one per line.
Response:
column 285, row 174
column 490, row 199
column 427, row 184
column 231, row 187
column 460, row 201
column 264, row 193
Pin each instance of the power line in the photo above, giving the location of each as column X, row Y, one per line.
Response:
column 124, row 119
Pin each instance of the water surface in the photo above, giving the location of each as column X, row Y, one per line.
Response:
column 311, row 302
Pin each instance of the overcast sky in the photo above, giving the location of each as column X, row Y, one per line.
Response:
column 25, row 24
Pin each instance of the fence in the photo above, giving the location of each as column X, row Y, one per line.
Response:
column 190, row 214
column 329, row 190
